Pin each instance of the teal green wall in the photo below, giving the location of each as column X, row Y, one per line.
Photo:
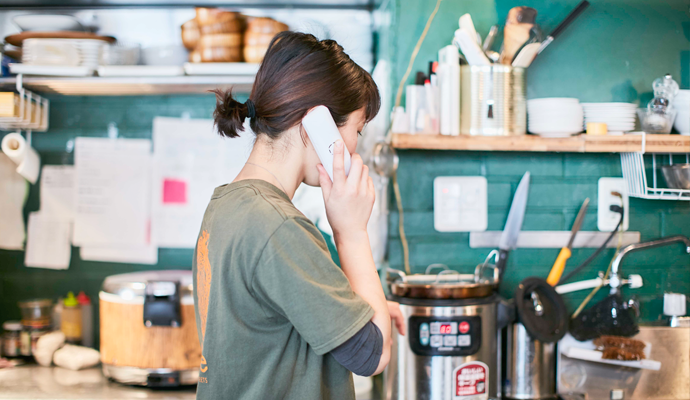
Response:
column 613, row 52
column 647, row 39
column 89, row 116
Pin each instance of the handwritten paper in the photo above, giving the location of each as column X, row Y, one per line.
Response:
column 190, row 161
column 48, row 242
column 13, row 192
column 143, row 254
column 57, row 191
column 113, row 181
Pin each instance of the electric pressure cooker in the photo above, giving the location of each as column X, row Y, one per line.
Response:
column 450, row 350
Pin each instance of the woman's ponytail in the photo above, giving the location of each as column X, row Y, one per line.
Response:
column 229, row 114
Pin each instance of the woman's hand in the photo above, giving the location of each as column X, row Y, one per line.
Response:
column 397, row 317
column 349, row 199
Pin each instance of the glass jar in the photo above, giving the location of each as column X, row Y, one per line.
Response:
column 29, row 338
column 11, row 338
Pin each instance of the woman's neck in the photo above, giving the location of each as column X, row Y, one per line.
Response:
column 277, row 163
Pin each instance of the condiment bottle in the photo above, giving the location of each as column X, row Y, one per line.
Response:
column 71, row 323
column 86, row 319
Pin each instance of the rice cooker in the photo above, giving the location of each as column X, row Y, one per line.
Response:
column 148, row 329
column 450, row 349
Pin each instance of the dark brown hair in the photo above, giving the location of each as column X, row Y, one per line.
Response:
column 299, row 72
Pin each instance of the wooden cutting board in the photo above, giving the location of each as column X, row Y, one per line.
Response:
column 18, row 39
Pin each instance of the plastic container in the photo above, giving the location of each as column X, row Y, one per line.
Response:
column 71, row 324
column 86, row 319
column 11, row 339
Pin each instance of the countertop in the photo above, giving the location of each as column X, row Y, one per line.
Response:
column 36, row 382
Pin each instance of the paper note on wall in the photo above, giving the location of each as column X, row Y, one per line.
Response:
column 13, row 191
column 48, row 242
column 113, row 182
column 143, row 254
column 57, row 191
column 190, row 160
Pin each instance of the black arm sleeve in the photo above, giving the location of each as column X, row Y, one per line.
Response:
column 362, row 352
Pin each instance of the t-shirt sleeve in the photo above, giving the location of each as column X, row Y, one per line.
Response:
column 296, row 277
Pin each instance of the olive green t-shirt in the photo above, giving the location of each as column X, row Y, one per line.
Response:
column 270, row 303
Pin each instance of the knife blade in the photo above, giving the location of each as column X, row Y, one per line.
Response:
column 516, row 215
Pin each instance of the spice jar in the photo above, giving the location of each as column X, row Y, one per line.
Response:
column 11, row 338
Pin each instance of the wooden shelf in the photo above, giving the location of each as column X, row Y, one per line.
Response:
column 530, row 143
column 128, row 86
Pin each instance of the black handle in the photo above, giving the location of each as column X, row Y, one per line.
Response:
column 570, row 18
column 162, row 304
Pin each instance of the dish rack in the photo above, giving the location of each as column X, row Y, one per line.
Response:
column 635, row 174
column 31, row 111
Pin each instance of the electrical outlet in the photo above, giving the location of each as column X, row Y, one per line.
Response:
column 607, row 219
column 460, row 204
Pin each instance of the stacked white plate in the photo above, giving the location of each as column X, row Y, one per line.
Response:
column 62, row 52
column 618, row 117
column 554, row 116
column 682, row 105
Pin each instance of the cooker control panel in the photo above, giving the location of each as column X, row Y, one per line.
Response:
column 445, row 336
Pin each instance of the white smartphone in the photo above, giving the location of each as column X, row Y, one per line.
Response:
column 323, row 133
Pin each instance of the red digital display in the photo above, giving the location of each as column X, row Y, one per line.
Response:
column 445, row 329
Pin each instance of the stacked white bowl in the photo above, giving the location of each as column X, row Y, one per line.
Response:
column 618, row 117
column 554, row 116
column 682, row 105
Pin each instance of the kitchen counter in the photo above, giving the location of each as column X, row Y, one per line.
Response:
column 36, row 382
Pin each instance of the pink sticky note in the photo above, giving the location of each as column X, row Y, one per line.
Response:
column 174, row 191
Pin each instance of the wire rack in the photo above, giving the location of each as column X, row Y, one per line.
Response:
column 31, row 111
column 635, row 174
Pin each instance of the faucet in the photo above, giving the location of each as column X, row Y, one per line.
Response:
column 616, row 280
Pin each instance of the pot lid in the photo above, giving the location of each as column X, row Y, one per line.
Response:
column 133, row 285
column 541, row 310
column 36, row 303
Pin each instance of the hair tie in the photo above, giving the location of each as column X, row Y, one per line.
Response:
column 251, row 110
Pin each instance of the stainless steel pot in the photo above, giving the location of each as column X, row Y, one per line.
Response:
column 530, row 367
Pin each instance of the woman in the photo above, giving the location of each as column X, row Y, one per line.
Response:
column 277, row 319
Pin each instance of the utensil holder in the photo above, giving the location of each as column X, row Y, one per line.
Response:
column 492, row 100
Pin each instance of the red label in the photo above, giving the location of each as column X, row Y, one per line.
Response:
column 471, row 380
column 464, row 327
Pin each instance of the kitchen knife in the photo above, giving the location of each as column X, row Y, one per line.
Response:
column 511, row 231
column 564, row 255
column 564, row 24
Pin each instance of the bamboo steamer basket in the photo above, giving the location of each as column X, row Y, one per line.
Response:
column 190, row 34
column 216, row 54
column 221, row 40
column 265, row 25
column 206, row 16
column 148, row 329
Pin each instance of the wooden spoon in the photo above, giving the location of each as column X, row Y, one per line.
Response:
column 517, row 31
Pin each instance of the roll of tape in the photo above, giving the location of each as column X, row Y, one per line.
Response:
column 596, row 128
